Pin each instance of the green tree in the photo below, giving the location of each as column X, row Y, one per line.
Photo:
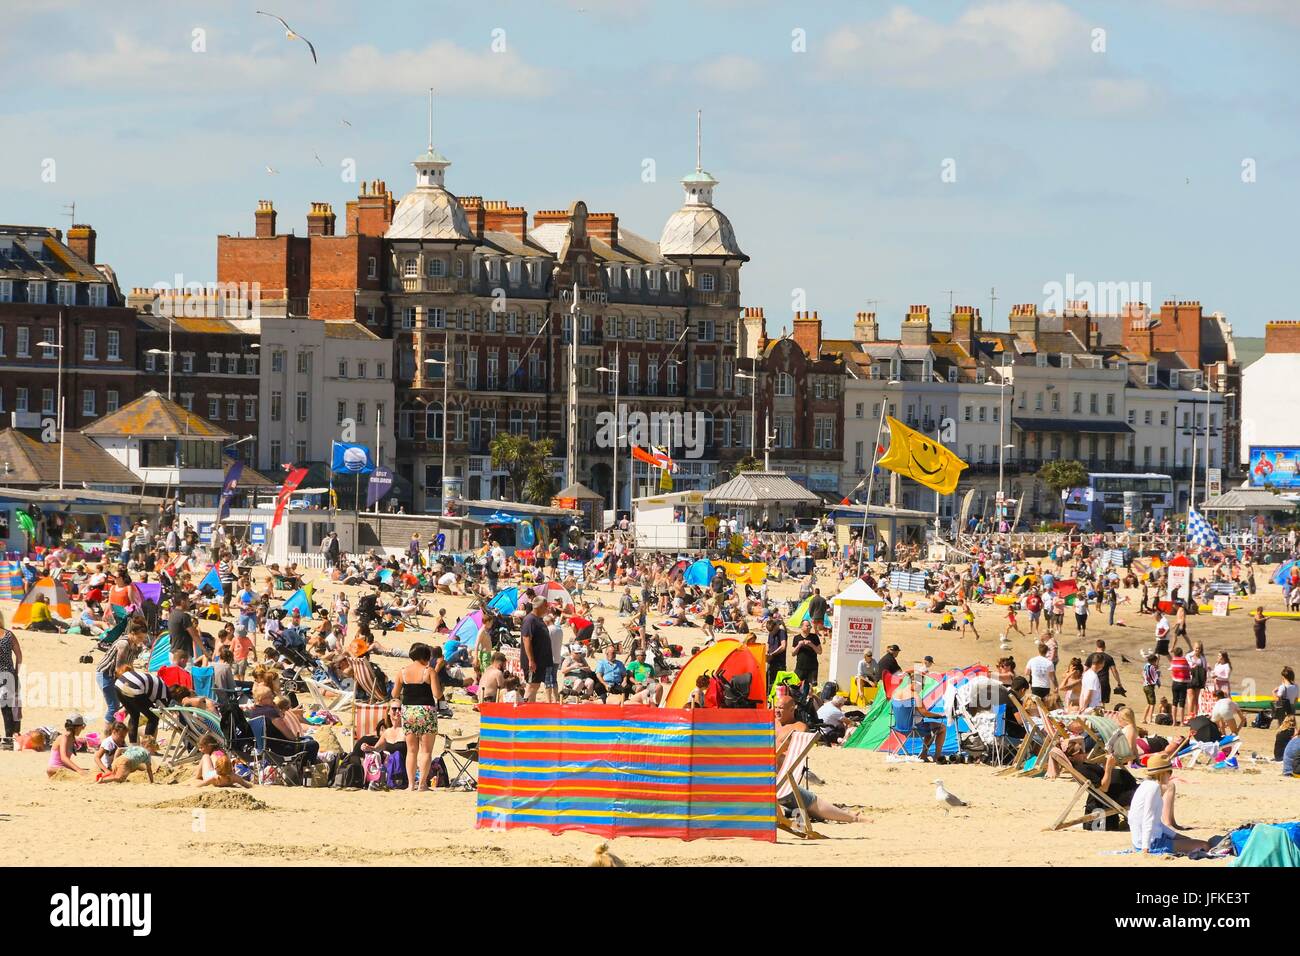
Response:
column 748, row 463
column 1061, row 475
column 527, row 464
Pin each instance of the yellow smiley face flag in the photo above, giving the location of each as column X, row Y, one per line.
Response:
column 921, row 458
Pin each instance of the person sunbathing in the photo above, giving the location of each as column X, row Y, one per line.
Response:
column 819, row 808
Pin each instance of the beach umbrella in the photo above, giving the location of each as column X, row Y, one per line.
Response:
column 505, row 601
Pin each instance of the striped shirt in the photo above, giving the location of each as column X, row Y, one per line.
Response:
column 136, row 684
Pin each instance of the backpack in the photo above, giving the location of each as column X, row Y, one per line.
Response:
column 373, row 768
column 395, row 771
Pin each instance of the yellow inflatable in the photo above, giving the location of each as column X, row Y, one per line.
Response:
column 1004, row 599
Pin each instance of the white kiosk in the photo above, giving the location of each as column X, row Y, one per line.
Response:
column 855, row 628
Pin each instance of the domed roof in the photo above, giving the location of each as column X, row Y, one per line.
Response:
column 429, row 212
column 697, row 230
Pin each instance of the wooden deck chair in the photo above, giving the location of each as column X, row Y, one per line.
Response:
column 1085, row 786
column 1103, row 731
column 365, row 720
column 797, row 747
column 185, row 725
column 1032, row 729
column 364, row 677
column 336, row 700
column 1054, row 731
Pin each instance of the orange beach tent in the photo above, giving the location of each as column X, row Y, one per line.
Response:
column 55, row 596
column 731, row 658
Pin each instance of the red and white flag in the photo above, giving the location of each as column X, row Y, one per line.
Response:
column 291, row 483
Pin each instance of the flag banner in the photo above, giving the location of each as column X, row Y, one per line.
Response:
column 1200, row 532
column 381, row 479
column 350, row 459
column 291, row 483
column 228, row 488
column 665, row 481
column 663, row 454
column 921, row 458
column 655, row 459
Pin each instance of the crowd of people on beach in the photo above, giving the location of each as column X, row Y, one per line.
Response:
column 584, row 621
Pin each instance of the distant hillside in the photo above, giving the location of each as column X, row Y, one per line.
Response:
column 1248, row 349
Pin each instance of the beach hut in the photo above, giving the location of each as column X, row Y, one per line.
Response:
column 55, row 596
column 728, row 657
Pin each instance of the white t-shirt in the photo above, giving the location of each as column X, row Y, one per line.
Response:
column 1223, row 710
column 1081, row 606
column 1090, row 694
column 1049, row 601
column 1040, row 672
column 447, row 579
column 1144, row 815
column 828, row 713
column 1162, row 628
column 1290, row 691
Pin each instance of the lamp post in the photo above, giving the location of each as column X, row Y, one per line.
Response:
column 1191, row 503
column 1002, row 384
column 171, row 361
column 58, row 401
column 871, row 474
column 613, row 481
column 753, row 409
column 446, row 376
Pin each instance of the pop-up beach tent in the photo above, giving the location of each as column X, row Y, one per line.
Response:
column 54, row 595
column 728, row 657
column 876, row 732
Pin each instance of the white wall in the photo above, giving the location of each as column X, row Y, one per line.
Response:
column 1268, row 404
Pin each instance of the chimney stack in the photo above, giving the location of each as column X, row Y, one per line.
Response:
column 808, row 333
column 916, row 326
column 320, row 219
column 500, row 216
column 1024, row 321
column 81, row 240
column 866, row 328
column 965, row 323
column 371, row 213
column 264, row 219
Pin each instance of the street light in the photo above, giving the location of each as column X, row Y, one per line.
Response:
column 171, row 360
column 1191, row 503
column 613, row 481
column 753, row 409
column 1001, row 385
column 871, row 475
column 446, row 377
column 58, row 401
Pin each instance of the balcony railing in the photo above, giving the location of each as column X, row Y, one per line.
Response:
column 720, row 299
column 432, row 284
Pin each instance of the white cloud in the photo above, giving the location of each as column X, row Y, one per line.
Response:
column 129, row 64
column 730, row 73
column 1287, row 10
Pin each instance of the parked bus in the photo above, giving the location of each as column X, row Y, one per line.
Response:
column 1116, row 502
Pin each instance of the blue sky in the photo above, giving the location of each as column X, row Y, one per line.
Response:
column 1123, row 165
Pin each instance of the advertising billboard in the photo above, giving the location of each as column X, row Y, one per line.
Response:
column 1273, row 466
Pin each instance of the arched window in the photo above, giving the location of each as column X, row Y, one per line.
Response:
column 411, row 267
column 433, row 422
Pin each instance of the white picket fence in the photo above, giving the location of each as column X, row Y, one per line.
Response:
column 316, row 562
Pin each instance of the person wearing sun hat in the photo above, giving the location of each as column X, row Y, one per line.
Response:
column 1151, row 813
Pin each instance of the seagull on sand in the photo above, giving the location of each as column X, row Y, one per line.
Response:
column 946, row 799
column 289, row 34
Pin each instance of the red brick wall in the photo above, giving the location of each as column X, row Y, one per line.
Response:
column 1282, row 337
column 266, row 262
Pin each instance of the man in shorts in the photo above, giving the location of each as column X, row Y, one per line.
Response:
column 535, row 638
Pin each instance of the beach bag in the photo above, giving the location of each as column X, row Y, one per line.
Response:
column 438, row 771
column 395, row 771
column 372, row 768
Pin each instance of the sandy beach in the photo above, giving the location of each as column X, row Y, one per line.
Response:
column 73, row 821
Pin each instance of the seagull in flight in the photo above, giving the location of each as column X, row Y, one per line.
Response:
column 318, row 159
column 289, row 34
column 946, row 799
column 344, row 122
column 273, row 172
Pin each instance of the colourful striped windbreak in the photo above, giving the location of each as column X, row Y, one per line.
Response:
column 628, row 771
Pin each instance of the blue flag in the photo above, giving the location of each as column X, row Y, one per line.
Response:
column 228, row 489
column 350, row 459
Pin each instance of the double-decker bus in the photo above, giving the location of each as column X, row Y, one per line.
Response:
column 1109, row 502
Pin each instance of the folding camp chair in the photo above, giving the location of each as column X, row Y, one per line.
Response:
column 795, row 767
column 1085, row 787
column 460, row 754
column 906, row 724
column 185, row 725
column 283, row 763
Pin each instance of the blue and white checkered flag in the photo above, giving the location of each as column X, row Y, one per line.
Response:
column 1200, row 532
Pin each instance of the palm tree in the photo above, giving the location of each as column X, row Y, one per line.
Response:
column 1062, row 475
column 748, row 463
column 512, row 454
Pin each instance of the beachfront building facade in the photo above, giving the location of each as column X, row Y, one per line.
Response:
column 1107, row 391
column 52, row 291
column 1268, row 405
column 479, row 310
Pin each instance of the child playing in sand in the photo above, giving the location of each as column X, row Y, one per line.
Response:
column 216, row 769
column 130, row 759
column 968, row 620
column 110, row 745
column 65, row 745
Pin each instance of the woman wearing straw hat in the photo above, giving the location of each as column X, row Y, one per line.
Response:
column 1151, row 813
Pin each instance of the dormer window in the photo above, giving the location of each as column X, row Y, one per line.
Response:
column 952, row 373
column 494, row 268
column 634, row 277
column 36, row 292
column 1040, row 359
column 612, row 275
column 652, row 279
column 513, row 269
column 674, row 280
